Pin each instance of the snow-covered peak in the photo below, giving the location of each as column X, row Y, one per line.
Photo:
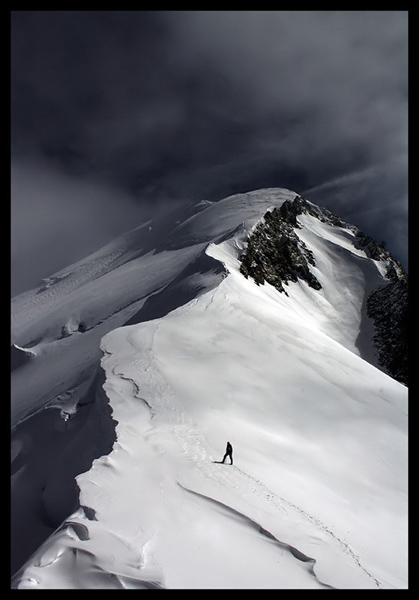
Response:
column 318, row 487
column 71, row 311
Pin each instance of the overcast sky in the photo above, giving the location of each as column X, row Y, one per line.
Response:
column 117, row 115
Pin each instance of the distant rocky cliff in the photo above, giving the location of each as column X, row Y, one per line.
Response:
column 387, row 306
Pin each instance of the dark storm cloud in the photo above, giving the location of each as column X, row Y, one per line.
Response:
column 313, row 84
column 171, row 91
column 57, row 219
column 179, row 105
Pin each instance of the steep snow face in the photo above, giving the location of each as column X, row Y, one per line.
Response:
column 317, row 494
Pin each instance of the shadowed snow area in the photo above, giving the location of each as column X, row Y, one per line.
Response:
column 317, row 494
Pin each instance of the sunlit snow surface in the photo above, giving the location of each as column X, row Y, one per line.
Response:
column 317, row 495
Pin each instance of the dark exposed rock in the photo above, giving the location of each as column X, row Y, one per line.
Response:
column 388, row 308
column 274, row 251
column 277, row 255
column 371, row 248
column 376, row 251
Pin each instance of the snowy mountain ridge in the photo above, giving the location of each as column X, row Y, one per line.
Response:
column 108, row 288
column 276, row 254
column 318, row 489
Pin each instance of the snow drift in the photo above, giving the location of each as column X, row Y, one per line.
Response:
column 317, row 495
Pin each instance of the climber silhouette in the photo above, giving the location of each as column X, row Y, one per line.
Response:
column 229, row 452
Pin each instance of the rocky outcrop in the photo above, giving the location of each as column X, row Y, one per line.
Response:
column 275, row 253
column 388, row 308
column 376, row 251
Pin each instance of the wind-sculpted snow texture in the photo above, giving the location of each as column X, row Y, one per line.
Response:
column 55, row 356
column 317, row 495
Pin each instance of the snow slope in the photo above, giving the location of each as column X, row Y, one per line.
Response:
column 55, row 356
column 317, row 495
column 60, row 324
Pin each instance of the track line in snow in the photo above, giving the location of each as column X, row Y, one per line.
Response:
column 346, row 547
column 297, row 554
column 256, row 486
column 193, row 445
column 170, row 421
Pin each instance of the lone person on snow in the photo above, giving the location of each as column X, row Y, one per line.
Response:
column 229, row 452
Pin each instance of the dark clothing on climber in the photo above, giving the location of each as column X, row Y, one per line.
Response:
column 229, row 452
